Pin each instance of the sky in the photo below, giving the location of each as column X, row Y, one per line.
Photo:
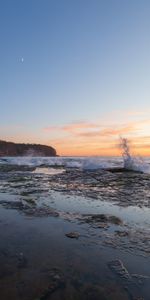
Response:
column 75, row 74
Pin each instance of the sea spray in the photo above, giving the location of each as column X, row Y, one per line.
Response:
column 130, row 162
column 127, row 158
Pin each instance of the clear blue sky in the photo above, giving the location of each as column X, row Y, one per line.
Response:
column 63, row 61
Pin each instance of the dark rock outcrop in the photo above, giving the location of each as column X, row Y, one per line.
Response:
column 13, row 149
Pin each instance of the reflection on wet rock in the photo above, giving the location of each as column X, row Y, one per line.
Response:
column 70, row 233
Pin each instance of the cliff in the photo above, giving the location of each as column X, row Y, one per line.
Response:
column 13, row 149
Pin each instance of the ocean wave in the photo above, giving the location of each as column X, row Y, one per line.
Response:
column 84, row 163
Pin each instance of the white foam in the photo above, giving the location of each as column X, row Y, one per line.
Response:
column 83, row 163
column 94, row 164
column 49, row 171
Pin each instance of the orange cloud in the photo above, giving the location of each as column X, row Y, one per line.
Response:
column 79, row 125
column 50, row 128
column 98, row 137
column 72, row 127
column 108, row 132
column 118, row 131
column 87, row 138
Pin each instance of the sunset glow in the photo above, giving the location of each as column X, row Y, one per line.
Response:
column 89, row 138
column 75, row 75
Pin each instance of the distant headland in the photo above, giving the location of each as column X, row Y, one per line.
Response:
column 21, row 149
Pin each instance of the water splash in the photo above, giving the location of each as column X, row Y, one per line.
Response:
column 127, row 157
column 135, row 163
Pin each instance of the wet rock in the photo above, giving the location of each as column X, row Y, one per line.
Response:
column 115, row 220
column 29, row 192
column 14, row 204
column 30, row 201
column 41, row 212
column 122, row 233
column 73, row 235
column 56, row 281
column 121, row 170
column 98, row 218
column 14, row 168
column 102, row 218
column 118, row 267
column 138, row 276
column 110, row 243
column 103, row 225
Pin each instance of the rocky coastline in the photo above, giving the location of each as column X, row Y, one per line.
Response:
column 21, row 149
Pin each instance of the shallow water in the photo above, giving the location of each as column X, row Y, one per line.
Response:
column 109, row 212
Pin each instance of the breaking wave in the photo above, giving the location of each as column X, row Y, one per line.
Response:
column 86, row 163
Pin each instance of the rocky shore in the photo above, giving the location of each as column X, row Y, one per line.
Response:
column 72, row 234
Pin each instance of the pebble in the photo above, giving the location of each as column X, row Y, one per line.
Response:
column 73, row 235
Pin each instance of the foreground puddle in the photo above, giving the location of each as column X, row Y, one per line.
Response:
column 39, row 261
column 49, row 171
column 66, row 234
